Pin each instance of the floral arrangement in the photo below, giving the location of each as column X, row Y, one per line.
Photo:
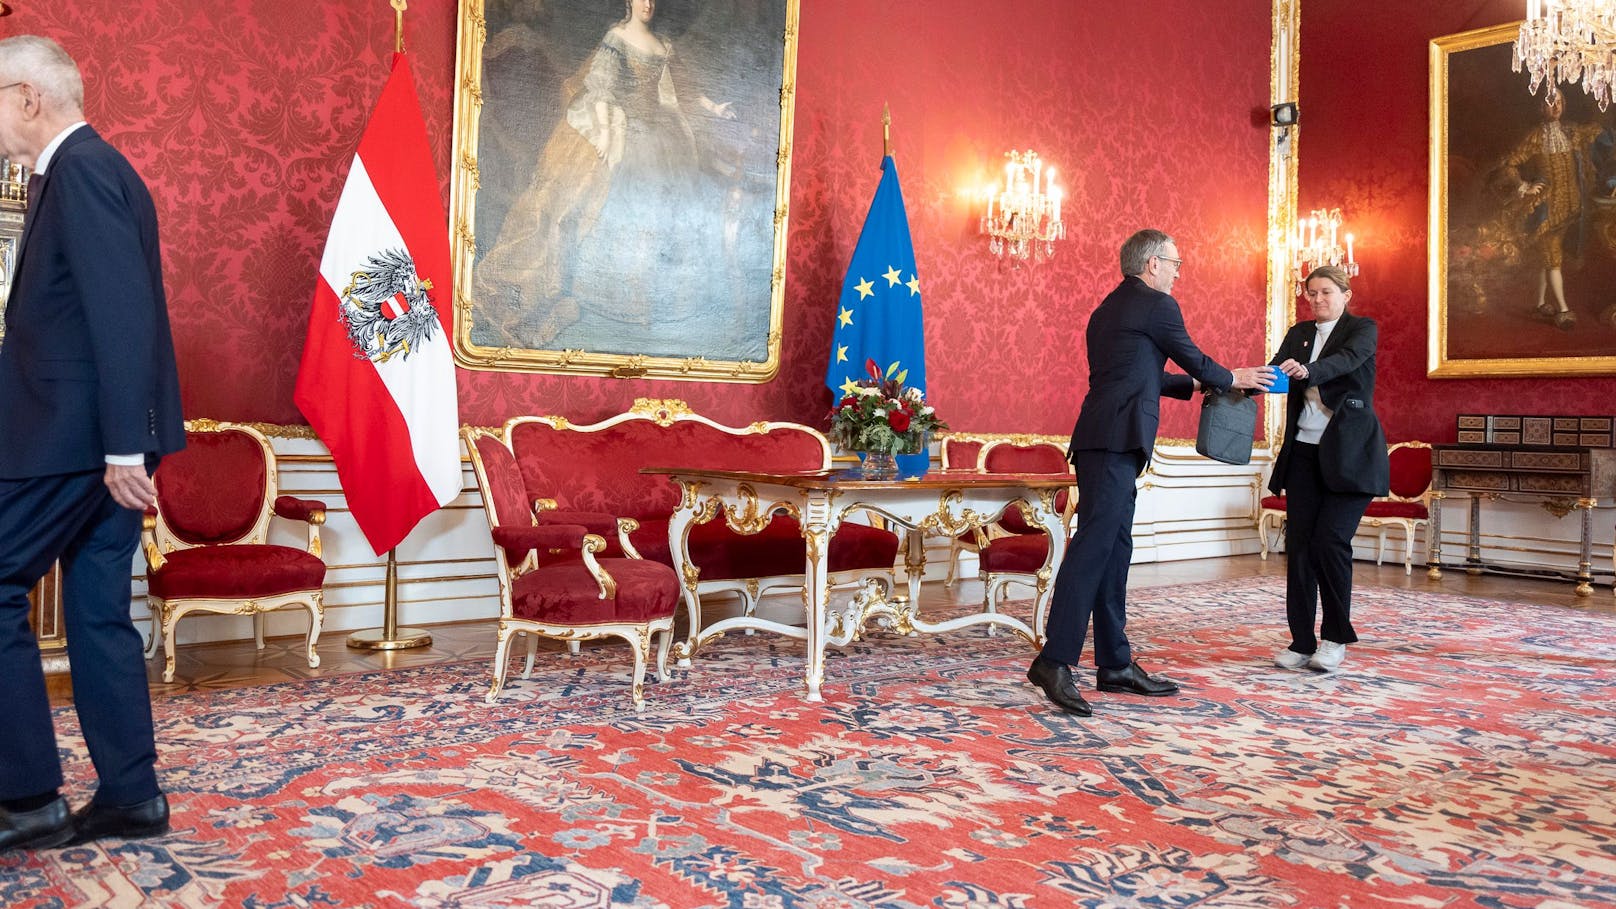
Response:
column 881, row 415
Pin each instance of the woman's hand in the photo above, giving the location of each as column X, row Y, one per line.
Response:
column 1293, row 369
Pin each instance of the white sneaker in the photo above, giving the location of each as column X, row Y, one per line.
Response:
column 1290, row 659
column 1328, row 657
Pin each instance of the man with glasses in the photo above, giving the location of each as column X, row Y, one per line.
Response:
column 1131, row 336
column 89, row 401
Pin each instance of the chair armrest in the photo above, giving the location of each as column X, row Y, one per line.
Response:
column 308, row 510
column 626, row 526
column 295, row 509
column 148, row 540
column 596, row 522
column 561, row 536
column 544, row 536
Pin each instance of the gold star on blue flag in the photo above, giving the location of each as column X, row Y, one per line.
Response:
column 886, row 324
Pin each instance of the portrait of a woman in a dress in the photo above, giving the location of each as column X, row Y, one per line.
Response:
column 630, row 233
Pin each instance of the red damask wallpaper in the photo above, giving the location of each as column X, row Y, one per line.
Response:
column 1364, row 146
column 243, row 117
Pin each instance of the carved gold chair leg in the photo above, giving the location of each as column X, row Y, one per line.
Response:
column 316, row 620
column 502, row 652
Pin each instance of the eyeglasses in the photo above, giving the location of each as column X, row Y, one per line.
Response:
column 1178, row 264
column 13, row 84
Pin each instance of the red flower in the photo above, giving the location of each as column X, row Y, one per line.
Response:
column 872, row 369
column 847, row 402
column 899, row 420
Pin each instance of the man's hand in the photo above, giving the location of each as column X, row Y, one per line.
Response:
column 1253, row 377
column 130, row 487
column 1294, row 369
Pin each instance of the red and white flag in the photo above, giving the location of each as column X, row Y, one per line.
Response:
column 377, row 380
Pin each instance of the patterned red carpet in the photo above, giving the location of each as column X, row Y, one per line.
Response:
column 1465, row 756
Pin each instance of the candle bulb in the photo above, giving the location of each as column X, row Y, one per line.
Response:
column 1350, row 260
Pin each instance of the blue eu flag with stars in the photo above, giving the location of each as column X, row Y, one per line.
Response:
column 878, row 317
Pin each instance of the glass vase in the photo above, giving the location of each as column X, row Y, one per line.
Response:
column 880, row 465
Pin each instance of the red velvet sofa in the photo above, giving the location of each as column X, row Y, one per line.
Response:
column 595, row 468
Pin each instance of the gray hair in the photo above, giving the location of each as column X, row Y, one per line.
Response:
column 43, row 64
column 1137, row 252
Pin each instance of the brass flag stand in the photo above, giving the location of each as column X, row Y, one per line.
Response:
column 390, row 636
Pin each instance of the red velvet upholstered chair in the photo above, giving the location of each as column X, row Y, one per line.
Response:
column 1407, row 506
column 1014, row 551
column 1409, row 503
column 550, row 582
column 206, row 541
column 595, row 467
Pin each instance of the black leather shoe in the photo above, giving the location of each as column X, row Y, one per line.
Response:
column 126, row 822
column 42, row 828
column 1133, row 680
column 1056, row 680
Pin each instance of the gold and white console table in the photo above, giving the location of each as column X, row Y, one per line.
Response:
column 941, row 502
column 1561, row 478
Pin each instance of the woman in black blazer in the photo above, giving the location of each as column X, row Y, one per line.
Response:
column 1332, row 463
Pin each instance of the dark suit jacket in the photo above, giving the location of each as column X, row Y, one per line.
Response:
column 1131, row 336
column 87, row 366
column 1352, row 451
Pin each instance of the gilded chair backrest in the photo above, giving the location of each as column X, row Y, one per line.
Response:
column 217, row 490
column 1411, row 471
column 596, row 467
column 959, row 452
column 1025, row 455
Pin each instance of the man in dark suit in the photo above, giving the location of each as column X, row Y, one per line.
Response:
column 1332, row 463
column 1131, row 336
column 89, row 401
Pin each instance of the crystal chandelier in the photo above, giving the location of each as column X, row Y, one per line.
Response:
column 1023, row 217
column 1569, row 41
column 1316, row 243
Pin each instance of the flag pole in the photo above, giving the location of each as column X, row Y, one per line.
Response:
column 886, row 130
column 390, row 636
column 399, row 6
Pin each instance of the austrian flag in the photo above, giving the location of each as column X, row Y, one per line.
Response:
column 377, row 380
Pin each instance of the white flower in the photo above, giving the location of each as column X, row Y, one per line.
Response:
column 927, row 411
column 866, row 391
column 880, row 413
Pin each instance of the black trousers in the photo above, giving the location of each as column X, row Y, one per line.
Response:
column 73, row 518
column 1319, row 525
column 1093, row 576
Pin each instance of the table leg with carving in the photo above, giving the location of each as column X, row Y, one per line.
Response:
column 679, row 524
column 1473, row 559
column 817, row 527
column 914, row 564
column 1049, row 518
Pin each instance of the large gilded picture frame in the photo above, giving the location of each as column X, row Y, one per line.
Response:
column 621, row 182
column 1522, row 219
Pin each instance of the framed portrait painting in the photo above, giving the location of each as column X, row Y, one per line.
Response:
column 622, row 173
column 1522, row 218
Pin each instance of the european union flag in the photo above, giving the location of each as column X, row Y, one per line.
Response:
column 878, row 317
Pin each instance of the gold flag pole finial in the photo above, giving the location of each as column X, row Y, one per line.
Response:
column 886, row 130
column 399, row 6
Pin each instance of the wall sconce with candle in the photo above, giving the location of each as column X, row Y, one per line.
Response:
column 1317, row 242
column 1023, row 218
